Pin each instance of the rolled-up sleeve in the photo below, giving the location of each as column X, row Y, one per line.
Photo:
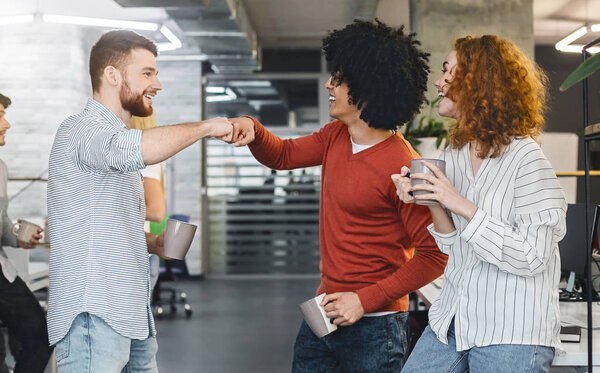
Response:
column 102, row 148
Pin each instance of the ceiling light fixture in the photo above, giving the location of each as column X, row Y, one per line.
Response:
column 100, row 22
column 215, row 89
column 174, row 41
column 171, row 36
column 228, row 96
column 564, row 45
column 11, row 20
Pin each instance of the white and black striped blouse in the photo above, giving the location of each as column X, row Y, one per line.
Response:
column 501, row 281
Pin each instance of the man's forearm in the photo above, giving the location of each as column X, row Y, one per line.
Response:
column 161, row 143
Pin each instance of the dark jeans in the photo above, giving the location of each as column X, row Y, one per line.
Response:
column 21, row 313
column 373, row 344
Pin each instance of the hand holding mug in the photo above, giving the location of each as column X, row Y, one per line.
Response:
column 439, row 188
column 28, row 234
column 403, row 184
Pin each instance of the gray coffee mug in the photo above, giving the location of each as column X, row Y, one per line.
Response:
column 178, row 238
column 417, row 166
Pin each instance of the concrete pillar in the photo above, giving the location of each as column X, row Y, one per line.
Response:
column 438, row 22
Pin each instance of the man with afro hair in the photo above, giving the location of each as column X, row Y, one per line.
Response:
column 375, row 250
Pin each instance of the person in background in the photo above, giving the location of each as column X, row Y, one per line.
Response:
column 99, row 314
column 154, row 193
column 368, row 237
column 500, row 217
column 20, row 311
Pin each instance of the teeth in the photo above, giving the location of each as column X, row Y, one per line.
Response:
column 331, row 98
column 441, row 94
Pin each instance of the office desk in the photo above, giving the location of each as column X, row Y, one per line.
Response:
column 573, row 313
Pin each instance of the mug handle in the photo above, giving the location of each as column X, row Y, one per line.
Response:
column 16, row 232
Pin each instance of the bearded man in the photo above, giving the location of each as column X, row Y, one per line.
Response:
column 99, row 314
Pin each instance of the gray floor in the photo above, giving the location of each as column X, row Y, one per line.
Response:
column 238, row 325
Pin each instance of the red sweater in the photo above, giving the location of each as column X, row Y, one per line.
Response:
column 367, row 235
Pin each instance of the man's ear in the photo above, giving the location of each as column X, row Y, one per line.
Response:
column 113, row 76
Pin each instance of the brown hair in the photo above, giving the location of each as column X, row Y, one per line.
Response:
column 499, row 93
column 5, row 101
column 113, row 49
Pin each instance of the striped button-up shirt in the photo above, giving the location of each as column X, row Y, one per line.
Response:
column 501, row 281
column 96, row 211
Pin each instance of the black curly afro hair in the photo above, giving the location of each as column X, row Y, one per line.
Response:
column 385, row 72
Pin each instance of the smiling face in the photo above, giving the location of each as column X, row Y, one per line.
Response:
column 140, row 83
column 4, row 125
column 446, row 107
column 339, row 101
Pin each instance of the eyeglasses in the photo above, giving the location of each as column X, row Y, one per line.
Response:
column 335, row 78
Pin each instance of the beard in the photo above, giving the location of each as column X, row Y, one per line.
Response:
column 134, row 103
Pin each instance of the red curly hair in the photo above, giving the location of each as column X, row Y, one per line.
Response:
column 500, row 94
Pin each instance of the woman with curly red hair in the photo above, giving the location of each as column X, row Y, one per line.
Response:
column 499, row 217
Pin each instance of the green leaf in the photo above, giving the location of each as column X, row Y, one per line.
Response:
column 587, row 68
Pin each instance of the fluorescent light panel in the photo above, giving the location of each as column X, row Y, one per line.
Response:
column 564, row 45
column 11, row 20
column 171, row 36
column 218, row 98
column 101, row 22
column 214, row 89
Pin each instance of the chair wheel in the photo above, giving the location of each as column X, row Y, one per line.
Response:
column 183, row 296
column 188, row 310
column 160, row 313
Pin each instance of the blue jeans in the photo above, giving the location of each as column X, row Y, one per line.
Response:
column 373, row 344
column 93, row 346
column 431, row 355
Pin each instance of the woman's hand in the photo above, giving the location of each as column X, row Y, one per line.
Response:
column 402, row 183
column 443, row 191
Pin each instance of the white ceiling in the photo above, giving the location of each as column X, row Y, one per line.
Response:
column 554, row 19
column 303, row 23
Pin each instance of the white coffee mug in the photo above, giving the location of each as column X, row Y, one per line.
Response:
column 315, row 316
column 25, row 230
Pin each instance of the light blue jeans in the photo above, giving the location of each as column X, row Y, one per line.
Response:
column 431, row 355
column 93, row 346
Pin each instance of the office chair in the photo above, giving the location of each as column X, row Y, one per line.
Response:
column 167, row 296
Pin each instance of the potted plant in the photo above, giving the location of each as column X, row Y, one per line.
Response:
column 585, row 69
column 427, row 134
